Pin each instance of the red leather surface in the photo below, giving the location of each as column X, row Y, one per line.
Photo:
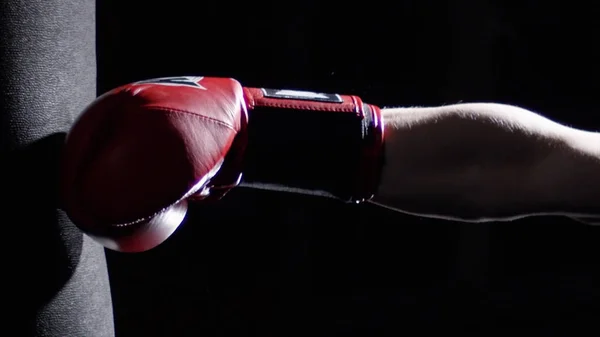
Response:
column 141, row 147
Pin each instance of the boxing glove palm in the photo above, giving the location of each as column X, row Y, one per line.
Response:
column 139, row 153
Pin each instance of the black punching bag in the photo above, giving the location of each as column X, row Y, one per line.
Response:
column 56, row 281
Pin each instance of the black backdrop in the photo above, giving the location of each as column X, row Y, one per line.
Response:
column 267, row 264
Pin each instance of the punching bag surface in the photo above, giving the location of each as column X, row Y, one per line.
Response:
column 56, row 279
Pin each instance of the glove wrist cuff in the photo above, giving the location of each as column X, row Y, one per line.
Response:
column 314, row 142
column 371, row 164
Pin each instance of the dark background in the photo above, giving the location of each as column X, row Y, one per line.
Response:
column 269, row 264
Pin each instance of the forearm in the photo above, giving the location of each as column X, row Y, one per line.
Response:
column 487, row 161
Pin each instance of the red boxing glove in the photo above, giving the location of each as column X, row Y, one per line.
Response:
column 140, row 152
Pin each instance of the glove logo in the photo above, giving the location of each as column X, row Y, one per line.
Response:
column 302, row 95
column 185, row 81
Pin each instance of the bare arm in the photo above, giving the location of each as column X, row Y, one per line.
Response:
column 480, row 162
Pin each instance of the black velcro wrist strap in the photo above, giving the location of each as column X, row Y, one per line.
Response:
column 315, row 142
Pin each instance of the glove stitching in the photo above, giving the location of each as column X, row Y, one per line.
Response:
column 179, row 111
column 305, row 107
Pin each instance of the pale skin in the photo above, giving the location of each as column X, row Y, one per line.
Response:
column 487, row 162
